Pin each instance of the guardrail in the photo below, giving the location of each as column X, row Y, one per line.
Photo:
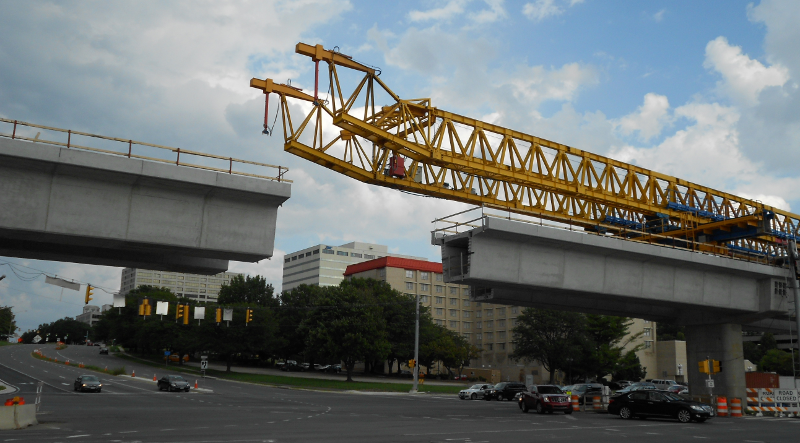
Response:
column 452, row 226
column 17, row 124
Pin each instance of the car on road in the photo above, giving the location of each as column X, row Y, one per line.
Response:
column 659, row 403
column 104, row 350
column 474, row 392
column 175, row 358
column 173, row 383
column 88, row 383
column 545, row 399
column 504, row 390
column 291, row 366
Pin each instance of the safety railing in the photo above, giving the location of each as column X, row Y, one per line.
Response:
column 451, row 226
column 128, row 150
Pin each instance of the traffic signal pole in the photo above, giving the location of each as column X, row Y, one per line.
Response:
column 416, row 352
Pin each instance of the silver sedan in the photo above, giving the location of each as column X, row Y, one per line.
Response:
column 474, row 392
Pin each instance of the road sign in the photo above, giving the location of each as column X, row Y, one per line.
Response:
column 709, row 383
column 778, row 395
column 37, row 339
column 204, row 365
column 166, row 353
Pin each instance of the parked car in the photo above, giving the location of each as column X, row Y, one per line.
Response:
column 405, row 373
column 104, row 350
column 659, row 403
column 292, row 366
column 504, row 390
column 638, row 386
column 337, row 368
column 586, row 390
column 88, row 383
column 663, row 384
column 474, row 392
column 173, row 383
column 176, row 358
column 678, row 389
column 544, row 398
column 618, row 384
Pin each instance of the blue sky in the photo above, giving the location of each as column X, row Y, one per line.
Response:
column 707, row 91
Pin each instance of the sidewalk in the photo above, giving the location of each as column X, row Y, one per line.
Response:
column 323, row 375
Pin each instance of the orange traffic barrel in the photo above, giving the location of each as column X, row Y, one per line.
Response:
column 596, row 403
column 722, row 406
column 736, row 407
column 575, row 404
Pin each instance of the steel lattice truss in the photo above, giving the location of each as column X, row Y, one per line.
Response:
column 460, row 158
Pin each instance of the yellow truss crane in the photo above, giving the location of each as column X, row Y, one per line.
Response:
column 460, row 158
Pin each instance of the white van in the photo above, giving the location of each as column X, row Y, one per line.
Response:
column 663, row 384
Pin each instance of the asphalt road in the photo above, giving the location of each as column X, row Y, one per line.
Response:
column 132, row 410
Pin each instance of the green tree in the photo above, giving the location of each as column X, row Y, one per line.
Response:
column 629, row 368
column 249, row 291
column 547, row 336
column 669, row 331
column 295, row 306
column 776, row 360
column 345, row 325
column 8, row 325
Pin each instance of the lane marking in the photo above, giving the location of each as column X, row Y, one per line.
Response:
column 76, row 436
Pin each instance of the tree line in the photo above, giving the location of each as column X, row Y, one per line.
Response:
column 361, row 320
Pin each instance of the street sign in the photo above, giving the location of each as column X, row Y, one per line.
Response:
column 709, row 383
column 204, row 365
column 166, row 353
column 37, row 339
column 778, row 395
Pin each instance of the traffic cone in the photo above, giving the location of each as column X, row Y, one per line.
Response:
column 133, row 373
column 195, row 384
column 106, row 369
column 154, row 377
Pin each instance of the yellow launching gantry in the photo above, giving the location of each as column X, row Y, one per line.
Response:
column 413, row 146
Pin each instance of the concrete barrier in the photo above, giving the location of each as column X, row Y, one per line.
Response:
column 17, row 417
column 25, row 415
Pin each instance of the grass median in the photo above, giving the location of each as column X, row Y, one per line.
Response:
column 298, row 382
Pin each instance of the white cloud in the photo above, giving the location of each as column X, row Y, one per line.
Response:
column 495, row 12
column 649, row 119
column 658, row 16
column 445, row 12
column 541, row 9
column 743, row 77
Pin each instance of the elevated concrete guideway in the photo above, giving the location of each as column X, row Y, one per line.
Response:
column 85, row 207
column 523, row 264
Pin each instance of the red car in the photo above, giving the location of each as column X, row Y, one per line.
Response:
column 545, row 398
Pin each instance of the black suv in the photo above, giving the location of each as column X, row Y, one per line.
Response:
column 504, row 390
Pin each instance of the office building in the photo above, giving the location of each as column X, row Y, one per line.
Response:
column 324, row 265
column 202, row 288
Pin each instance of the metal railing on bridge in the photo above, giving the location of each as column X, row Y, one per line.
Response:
column 128, row 150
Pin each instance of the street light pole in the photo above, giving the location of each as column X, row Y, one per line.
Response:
column 416, row 351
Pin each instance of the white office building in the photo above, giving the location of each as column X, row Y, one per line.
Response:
column 324, row 265
column 198, row 287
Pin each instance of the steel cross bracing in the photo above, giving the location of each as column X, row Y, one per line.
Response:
column 460, row 158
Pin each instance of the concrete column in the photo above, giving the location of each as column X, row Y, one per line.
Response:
column 719, row 342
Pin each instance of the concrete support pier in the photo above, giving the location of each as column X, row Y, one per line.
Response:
column 721, row 342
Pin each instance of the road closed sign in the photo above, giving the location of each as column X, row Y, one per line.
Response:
column 779, row 396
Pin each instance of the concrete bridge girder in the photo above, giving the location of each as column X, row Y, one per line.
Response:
column 85, row 207
column 522, row 264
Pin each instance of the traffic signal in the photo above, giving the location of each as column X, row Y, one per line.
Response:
column 219, row 315
column 186, row 314
column 703, row 366
column 248, row 316
column 88, row 293
column 178, row 312
column 145, row 307
column 717, row 366
column 412, row 363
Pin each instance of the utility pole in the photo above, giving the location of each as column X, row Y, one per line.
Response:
column 416, row 352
